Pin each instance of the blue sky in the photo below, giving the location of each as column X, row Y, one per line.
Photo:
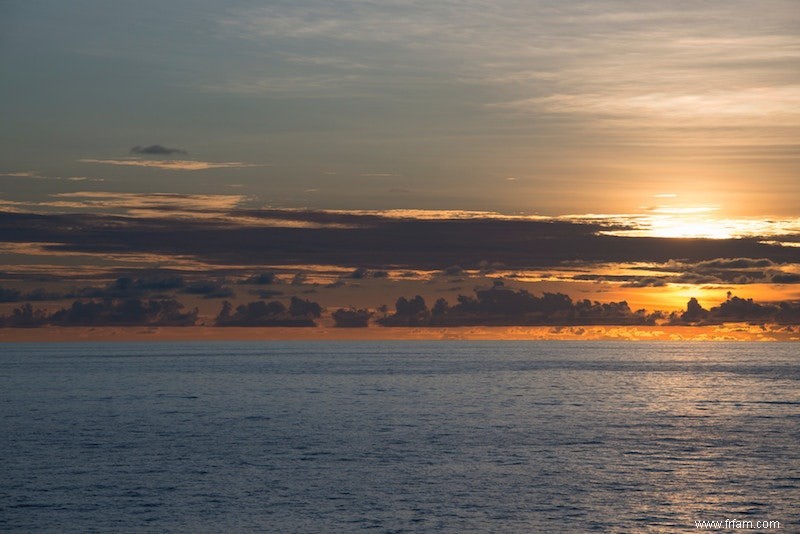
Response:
column 515, row 106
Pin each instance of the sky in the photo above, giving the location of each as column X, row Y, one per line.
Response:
column 531, row 107
column 356, row 152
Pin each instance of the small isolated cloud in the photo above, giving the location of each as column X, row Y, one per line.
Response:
column 84, row 179
column 172, row 164
column 38, row 176
column 156, row 150
column 21, row 174
column 379, row 174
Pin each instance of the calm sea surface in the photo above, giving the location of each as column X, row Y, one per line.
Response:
column 398, row 436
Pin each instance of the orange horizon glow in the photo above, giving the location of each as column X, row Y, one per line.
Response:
column 710, row 333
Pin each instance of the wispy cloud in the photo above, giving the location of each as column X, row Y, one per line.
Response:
column 288, row 86
column 379, row 174
column 777, row 103
column 690, row 66
column 172, row 165
column 103, row 200
column 38, row 176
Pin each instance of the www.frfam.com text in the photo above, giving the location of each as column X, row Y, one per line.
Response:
column 744, row 524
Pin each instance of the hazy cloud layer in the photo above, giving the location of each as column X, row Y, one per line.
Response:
column 614, row 64
column 589, row 106
column 372, row 242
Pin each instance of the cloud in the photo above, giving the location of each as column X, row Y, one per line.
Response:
column 731, row 270
column 785, row 278
column 38, row 176
column 379, row 174
column 156, row 150
column 613, row 65
column 647, row 281
column 720, row 106
column 266, row 278
column 99, row 200
column 107, row 312
column 286, row 86
column 128, row 287
column 213, row 229
column 735, row 309
column 500, row 306
column 122, row 287
column 125, row 312
column 172, row 165
column 24, row 317
column 735, row 263
column 213, row 289
column 299, row 313
column 9, row 294
column 351, row 317
column 22, row 174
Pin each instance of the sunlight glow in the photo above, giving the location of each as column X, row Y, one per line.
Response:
column 700, row 222
column 670, row 226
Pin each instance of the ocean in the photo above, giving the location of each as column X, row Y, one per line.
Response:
column 399, row 436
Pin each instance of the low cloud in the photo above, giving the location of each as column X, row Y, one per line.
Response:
column 299, row 313
column 735, row 309
column 266, row 278
column 730, row 270
column 351, row 318
column 785, row 278
column 647, row 281
column 735, row 263
column 214, row 289
column 500, row 306
column 107, row 312
column 156, row 150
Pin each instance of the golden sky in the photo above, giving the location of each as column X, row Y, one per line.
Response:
column 610, row 150
column 539, row 107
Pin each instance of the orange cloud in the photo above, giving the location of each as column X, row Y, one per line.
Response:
column 172, row 164
column 104, row 199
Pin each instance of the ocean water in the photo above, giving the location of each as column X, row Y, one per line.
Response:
column 398, row 436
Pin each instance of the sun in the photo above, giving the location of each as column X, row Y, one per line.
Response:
column 679, row 227
column 686, row 222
